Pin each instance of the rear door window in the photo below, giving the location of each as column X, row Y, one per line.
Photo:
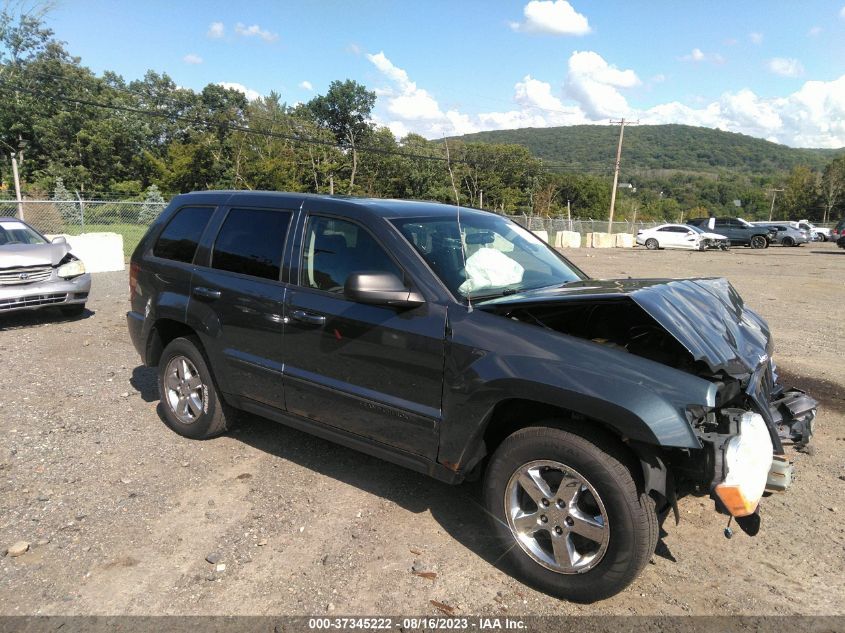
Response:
column 251, row 242
column 178, row 241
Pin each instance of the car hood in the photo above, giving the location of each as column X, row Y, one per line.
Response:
column 16, row 255
column 707, row 316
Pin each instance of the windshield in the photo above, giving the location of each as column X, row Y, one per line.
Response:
column 694, row 228
column 14, row 232
column 500, row 256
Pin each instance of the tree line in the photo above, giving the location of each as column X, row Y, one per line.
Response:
column 109, row 138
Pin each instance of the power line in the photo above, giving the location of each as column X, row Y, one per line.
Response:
column 224, row 125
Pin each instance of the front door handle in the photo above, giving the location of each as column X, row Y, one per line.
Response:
column 206, row 293
column 308, row 317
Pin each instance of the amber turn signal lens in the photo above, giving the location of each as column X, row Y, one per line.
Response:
column 735, row 501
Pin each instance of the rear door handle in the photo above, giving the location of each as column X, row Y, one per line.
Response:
column 206, row 293
column 308, row 317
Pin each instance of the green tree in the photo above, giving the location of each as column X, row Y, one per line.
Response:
column 153, row 205
column 68, row 209
column 345, row 110
column 801, row 193
column 833, row 188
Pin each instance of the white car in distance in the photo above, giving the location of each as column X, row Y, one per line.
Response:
column 680, row 236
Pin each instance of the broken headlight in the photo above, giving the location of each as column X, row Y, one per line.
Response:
column 747, row 460
column 73, row 268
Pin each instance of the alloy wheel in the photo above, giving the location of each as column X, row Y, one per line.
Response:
column 185, row 391
column 557, row 517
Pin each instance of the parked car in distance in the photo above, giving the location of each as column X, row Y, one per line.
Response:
column 838, row 231
column 458, row 344
column 817, row 233
column 786, row 235
column 36, row 273
column 680, row 236
column 737, row 230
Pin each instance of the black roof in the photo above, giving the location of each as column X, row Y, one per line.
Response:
column 382, row 207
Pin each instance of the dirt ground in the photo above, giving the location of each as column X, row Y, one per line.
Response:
column 121, row 513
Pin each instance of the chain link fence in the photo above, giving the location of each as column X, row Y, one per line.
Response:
column 131, row 219
column 73, row 217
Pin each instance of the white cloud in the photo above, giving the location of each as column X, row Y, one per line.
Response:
column 593, row 90
column 192, row 58
column 697, row 55
column 255, row 31
column 555, row 17
column 756, row 38
column 306, row 85
column 842, row 13
column 594, row 85
column 216, row 30
column 785, row 67
column 251, row 94
column 814, row 31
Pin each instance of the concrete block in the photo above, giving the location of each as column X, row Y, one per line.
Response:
column 543, row 235
column 602, row 240
column 624, row 240
column 100, row 252
column 568, row 239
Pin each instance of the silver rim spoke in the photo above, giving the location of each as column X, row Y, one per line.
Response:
column 565, row 531
column 564, row 552
column 535, row 486
column 184, row 389
column 587, row 526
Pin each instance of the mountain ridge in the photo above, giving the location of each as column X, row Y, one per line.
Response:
column 669, row 147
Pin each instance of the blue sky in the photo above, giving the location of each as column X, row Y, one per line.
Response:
column 773, row 69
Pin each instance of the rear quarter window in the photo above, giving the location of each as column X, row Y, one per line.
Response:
column 251, row 242
column 179, row 239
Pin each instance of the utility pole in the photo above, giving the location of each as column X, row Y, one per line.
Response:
column 774, row 195
column 622, row 123
column 17, row 184
column 481, row 198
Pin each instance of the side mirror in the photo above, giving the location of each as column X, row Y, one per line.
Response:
column 59, row 240
column 380, row 289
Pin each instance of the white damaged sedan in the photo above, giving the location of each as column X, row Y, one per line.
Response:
column 37, row 273
column 680, row 236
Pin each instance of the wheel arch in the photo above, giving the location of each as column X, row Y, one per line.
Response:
column 162, row 332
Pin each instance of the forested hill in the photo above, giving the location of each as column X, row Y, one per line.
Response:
column 656, row 147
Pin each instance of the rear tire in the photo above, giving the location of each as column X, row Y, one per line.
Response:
column 759, row 241
column 788, row 241
column 554, row 552
column 190, row 402
column 652, row 244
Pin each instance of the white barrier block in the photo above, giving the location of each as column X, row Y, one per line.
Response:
column 100, row 252
column 569, row 239
column 602, row 240
column 543, row 235
column 624, row 240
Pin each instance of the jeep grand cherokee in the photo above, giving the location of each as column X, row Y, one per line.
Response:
column 456, row 343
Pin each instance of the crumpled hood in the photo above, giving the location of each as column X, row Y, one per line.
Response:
column 15, row 255
column 707, row 316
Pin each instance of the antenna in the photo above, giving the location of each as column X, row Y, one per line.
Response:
column 460, row 228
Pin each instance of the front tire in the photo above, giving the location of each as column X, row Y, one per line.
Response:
column 652, row 244
column 569, row 512
column 788, row 241
column 759, row 241
column 190, row 402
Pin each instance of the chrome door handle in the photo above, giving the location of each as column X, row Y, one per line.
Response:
column 308, row 317
column 206, row 293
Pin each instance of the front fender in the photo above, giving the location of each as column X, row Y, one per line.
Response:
column 491, row 359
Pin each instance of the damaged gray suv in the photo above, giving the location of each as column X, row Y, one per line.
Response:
column 38, row 273
column 456, row 343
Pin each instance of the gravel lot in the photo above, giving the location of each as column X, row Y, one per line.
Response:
column 121, row 513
